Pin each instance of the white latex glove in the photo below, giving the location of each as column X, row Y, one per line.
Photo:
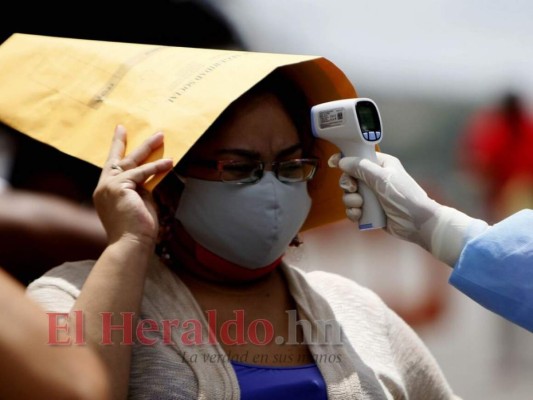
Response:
column 411, row 214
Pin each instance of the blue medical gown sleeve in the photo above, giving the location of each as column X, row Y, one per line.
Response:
column 496, row 269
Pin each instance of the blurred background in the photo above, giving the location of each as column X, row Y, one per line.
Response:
column 444, row 74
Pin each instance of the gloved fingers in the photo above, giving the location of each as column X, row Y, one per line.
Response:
column 352, row 200
column 388, row 161
column 361, row 168
column 348, row 183
column 384, row 160
column 334, row 160
column 353, row 214
column 353, row 203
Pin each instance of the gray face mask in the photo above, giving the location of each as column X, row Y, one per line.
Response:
column 249, row 225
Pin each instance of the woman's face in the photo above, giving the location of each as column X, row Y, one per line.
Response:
column 260, row 130
column 249, row 226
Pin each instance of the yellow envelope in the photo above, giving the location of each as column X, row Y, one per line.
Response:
column 71, row 93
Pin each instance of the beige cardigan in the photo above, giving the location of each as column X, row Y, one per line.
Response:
column 380, row 357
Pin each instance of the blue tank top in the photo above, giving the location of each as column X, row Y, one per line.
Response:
column 259, row 382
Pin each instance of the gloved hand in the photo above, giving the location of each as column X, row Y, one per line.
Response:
column 411, row 214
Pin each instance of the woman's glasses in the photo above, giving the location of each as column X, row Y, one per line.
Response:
column 241, row 172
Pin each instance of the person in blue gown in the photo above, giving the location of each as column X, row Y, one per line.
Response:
column 493, row 265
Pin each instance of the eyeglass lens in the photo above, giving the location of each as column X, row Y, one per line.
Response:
column 249, row 171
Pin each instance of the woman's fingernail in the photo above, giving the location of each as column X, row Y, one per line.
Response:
column 120, row 129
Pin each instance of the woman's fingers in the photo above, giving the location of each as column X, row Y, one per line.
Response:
column 123, row 204
column 116, row 159
column 117, row 163
column 141, row 153
column 140, row 174
column 118, row 146
column 131, row 169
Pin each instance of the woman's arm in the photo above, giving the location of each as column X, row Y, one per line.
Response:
column 30, row 368
column 115, row 284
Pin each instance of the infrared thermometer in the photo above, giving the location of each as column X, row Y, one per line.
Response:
column 354, row 126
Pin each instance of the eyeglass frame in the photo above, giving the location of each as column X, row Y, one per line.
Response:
column 219, row 165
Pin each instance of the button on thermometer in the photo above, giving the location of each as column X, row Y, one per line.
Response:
column 354, row 126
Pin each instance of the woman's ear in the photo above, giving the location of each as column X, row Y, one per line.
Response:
column 166, row 196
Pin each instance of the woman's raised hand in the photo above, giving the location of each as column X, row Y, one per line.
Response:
column 124, row 206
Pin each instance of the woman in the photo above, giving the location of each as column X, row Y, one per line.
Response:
column 217, row 312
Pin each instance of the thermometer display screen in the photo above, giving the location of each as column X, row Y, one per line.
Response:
column 368, row 117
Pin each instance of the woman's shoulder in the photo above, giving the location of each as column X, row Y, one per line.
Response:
column 337, row 285
column 62, row 282
column 73, row 272
column 344, row 294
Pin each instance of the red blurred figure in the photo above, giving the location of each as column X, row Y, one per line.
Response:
column 497, row 148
